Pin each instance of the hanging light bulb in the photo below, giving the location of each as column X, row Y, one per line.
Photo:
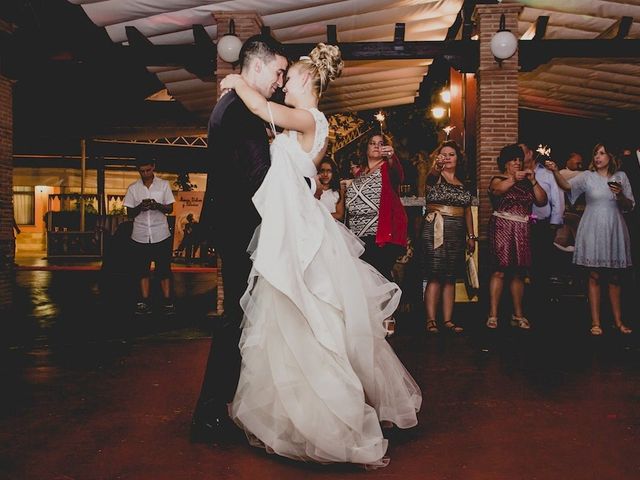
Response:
column 438, row 112
column 229, row 45
column 504, row 43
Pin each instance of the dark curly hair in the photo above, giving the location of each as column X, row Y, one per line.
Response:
column 461, row 163
column 335, row 178
column 508, row 153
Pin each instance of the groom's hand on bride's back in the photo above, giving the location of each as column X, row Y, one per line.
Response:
column 318, row 192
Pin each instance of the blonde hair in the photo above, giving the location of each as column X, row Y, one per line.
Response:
column 324, row 63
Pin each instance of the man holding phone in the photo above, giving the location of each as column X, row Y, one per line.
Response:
column 149, row 200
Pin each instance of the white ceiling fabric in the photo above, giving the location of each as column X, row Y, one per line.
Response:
column 590, row 87
column 388, row 83
column 585, row 87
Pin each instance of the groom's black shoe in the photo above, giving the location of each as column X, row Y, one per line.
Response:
column 218, row 429
column 207, row 431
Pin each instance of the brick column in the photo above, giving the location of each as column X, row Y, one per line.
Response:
column 497, row 100
column 6, row 194
column 246, row 24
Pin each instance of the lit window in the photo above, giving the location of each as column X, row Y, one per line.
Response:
column 24, row 205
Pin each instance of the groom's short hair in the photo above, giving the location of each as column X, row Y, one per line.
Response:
column 261, row 46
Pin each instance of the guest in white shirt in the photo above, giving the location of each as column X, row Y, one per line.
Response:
column 149, row 201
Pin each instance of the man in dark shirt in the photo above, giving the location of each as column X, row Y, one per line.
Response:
column 630, row 164
column 239, row 160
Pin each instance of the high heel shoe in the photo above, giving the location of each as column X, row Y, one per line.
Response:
column 452, row 327
column 623, row 329
column 492, row 322
column 520, row 322
column 432, row 327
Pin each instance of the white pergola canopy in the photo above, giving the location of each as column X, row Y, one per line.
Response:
column 591, row 87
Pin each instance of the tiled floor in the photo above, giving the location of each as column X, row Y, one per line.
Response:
column 92, row 392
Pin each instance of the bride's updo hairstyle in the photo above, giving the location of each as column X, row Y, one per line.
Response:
column 324, row 63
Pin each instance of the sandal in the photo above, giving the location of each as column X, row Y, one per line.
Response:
column 623, row 329
column 389, row 325
column 432, row 327
column 520, row 322
column 453, row 328
column 596, row 330
column 492, row 322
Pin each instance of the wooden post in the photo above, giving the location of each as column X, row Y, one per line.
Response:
column 83, row 174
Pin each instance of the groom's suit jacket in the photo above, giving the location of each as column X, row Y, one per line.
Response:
column 238, row 162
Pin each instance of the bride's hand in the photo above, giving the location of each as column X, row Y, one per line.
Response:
column 230, row 81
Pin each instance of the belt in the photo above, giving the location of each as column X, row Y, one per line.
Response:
column 436, row 211
column 447, row 210
column 511, row 216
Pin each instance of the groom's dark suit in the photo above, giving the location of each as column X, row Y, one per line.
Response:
column 238, row 162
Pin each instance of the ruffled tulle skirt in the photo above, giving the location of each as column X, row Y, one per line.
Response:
column 318, row 376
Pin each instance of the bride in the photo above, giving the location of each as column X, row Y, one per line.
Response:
column 318, row 377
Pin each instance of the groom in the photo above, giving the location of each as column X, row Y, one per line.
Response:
column 239, row 160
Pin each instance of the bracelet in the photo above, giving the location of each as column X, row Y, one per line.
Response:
column 472, row 237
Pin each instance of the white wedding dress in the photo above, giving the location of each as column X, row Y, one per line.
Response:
column 318, row 376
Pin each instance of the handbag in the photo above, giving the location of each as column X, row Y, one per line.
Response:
column 472, row 281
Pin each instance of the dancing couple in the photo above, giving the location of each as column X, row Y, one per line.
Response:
column 300, row 361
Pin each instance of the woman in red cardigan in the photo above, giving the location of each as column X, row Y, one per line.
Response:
column 373, row 208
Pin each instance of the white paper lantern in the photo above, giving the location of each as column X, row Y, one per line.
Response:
column 504, row 44
column 229, row 48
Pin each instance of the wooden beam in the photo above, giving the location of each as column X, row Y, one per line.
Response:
column 332, row 35
column 201, row 38
column 533, row 53
column 618, row 30
column 398, row 34
column 390, row 50
column 541, row 27
column 136, row 38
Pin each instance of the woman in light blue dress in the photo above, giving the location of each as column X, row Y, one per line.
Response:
column 602, row 240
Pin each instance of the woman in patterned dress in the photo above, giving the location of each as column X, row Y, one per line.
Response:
column 374, row 211
column 603, row 244
column 447, row 231
column 512, row 194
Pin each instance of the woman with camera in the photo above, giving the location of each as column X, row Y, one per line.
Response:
column 447, row 232
column 603, row 245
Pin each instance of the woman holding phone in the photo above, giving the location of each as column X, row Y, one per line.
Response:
column 602, row 245
column 446, row 233
column 374, row 210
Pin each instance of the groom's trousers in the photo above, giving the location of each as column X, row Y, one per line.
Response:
column 223, row 365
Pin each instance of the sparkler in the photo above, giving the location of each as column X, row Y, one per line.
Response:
column 544, row 151
column 448, row 129
column 380, row 118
